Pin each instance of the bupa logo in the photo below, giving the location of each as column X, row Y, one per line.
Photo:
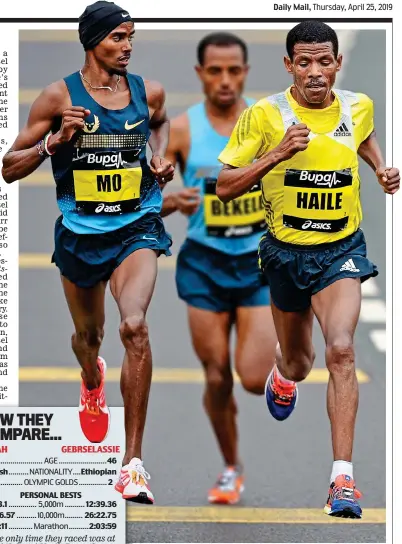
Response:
column 309, row 225
column 113, row 160
column 102, row 207
column 320, row 179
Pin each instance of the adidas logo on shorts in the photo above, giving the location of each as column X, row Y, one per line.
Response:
column 342, row 130
column 349, row 266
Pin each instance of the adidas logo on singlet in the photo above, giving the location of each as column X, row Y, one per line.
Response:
column 342, row 130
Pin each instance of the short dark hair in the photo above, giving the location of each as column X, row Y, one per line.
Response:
column 221, row 39
column 311, row 32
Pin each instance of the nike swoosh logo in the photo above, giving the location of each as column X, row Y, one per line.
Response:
column 124, row 15
column 129, row 127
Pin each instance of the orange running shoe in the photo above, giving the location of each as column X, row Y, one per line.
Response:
column 342, row 497
column 93, row 412
column 281, row 397
column 228, row 488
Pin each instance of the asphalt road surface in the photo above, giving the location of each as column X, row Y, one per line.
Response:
column 288, row 464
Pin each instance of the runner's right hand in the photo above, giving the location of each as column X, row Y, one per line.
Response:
column 295, row 140
column 72, row 120
column 188, row 200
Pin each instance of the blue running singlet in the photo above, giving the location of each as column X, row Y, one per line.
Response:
column 235, row 227
column 103, row 181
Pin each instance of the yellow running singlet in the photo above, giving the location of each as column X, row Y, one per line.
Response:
column 314, row 197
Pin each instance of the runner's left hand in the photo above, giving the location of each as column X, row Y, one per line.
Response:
column 389, row 179
column 188, row 200
column 162, row 169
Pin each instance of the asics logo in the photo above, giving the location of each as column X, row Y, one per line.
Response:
column 107, row 209
column 238, row 231
column 130, row 127
column 316, row 226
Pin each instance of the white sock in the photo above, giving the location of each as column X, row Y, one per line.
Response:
column 282, row 379
column 341, row 467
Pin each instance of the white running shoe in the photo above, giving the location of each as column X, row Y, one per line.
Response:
column 132, row 483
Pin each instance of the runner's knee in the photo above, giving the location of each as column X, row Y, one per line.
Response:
column 340, row 354
column 218, row 390
column 253, row 370
column 87, row 339
column 253, row 384
column 134, row 332
column 252, row 381
column 297, row 367
column 219, row 379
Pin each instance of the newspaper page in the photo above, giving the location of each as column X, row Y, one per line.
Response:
column 199, row 221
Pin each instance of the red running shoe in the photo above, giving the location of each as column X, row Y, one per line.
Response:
column 93, row 412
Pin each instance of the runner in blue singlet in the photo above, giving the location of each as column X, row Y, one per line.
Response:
column 95, row 125
column 217, row 268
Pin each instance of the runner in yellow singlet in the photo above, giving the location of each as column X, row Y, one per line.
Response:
column 304, row 144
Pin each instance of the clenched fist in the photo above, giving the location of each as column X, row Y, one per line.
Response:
column 389, row 179
column 162, row 169
column 72, row 120
column 295, row 140
column 188, row 200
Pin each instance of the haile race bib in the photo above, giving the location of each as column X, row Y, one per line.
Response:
column 317, row 200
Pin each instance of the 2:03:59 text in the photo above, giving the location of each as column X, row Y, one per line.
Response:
column 103, row 526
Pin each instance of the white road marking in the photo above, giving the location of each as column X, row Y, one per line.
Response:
column 370, row 288
column 379, row 339
column 373, row 311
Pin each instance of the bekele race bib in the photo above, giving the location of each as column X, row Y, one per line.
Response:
column 240, row 217
column 317, row 200
column 107, row 183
